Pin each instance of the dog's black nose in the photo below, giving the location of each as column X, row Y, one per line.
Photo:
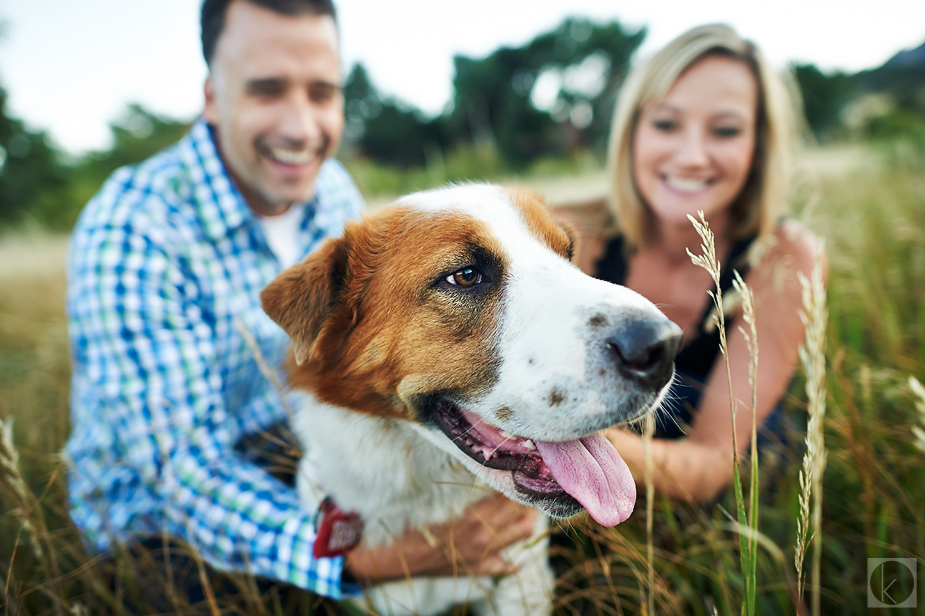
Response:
column 644, row 347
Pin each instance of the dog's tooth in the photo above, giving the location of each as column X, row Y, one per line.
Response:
column 506, row 434
column 528, row 444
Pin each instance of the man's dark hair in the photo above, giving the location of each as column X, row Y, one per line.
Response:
column 212, row 18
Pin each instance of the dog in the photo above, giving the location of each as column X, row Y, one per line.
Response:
column 447, row 343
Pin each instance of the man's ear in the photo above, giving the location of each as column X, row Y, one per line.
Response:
column 304, row 297
column 209, row 109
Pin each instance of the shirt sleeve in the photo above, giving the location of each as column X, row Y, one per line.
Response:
column 152, row 374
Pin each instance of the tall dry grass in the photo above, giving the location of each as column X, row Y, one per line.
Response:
column 872, row 212
column 746, row 520
column 750, row 333
column 919, row 430
column 812, row 358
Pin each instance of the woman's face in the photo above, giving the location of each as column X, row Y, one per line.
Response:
column 693, row 149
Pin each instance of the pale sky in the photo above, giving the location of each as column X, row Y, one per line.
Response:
column 71, row 66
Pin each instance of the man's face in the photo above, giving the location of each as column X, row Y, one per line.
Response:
column 274, row 96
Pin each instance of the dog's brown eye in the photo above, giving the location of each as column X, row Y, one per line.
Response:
column 466, row 277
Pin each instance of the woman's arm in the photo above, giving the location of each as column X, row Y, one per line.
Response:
column 699, row 466
column 683, row 469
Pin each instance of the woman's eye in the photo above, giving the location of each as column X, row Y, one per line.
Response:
column 466, row 277
column 727, row 131
column 665, row 125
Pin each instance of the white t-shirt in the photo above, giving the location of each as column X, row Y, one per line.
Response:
column 282, row 233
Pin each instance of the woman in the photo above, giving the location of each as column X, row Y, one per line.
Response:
column 705, row 125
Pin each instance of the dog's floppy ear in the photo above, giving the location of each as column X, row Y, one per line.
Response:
column 304, row 296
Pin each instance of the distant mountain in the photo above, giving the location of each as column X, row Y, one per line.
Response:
column 903, row 75
column 909, row 58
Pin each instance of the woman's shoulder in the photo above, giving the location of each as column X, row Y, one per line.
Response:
column 799, row 243
column 792, row 248
column 590, row 224
column 591, row 213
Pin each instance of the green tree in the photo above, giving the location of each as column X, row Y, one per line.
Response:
column 494, row 104
column 137, row 135
column 33, row 182
column 385, row 130
column 495, row 98
column 824, row 96
column 36, row 186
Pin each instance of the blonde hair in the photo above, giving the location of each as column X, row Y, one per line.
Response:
column 779, row 125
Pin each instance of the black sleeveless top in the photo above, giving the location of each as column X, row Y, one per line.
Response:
column 696, row 359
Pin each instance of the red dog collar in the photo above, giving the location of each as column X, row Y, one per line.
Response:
column 337, row 532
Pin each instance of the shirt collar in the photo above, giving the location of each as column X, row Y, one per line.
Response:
column 220, row 204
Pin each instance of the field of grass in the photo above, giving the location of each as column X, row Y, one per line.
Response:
column 869, row 203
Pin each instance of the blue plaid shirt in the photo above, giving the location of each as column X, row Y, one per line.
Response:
column 166, row 263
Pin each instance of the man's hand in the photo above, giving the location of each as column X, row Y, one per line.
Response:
column 470, row 545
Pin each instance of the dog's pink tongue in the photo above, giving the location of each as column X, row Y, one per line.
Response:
column 591, row 470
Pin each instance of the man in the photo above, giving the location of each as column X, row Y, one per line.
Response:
column 165, row 270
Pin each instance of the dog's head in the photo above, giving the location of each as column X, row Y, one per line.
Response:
column 458, row 310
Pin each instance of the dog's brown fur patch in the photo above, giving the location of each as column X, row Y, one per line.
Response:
column 540, row 223
column 372, row 322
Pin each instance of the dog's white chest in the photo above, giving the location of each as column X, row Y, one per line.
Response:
column 379, row 468
column 396, row 479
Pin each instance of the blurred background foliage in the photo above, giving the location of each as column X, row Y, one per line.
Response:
column 544, row 107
